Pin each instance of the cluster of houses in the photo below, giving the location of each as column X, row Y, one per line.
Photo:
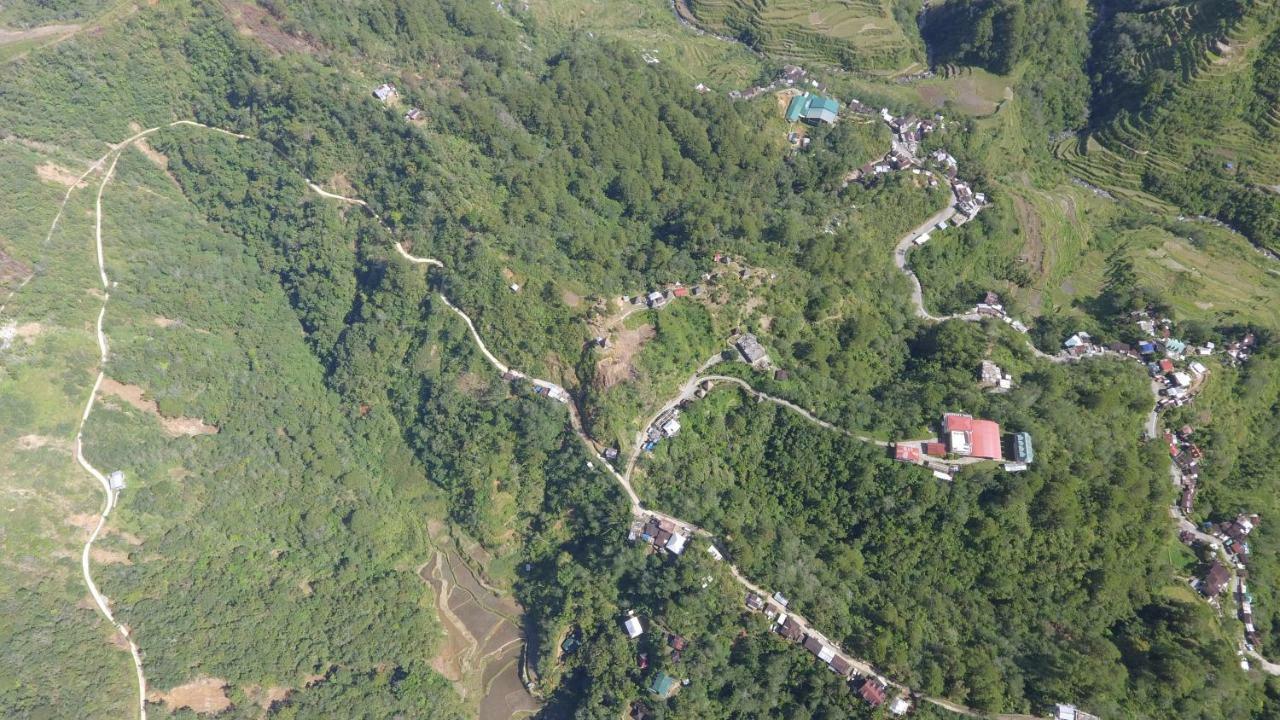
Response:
column 874, row 690
column 661, row 533
column 1238, row 351
column 992, row 306
column 666, row 425
column 656, row 299
column 1233, row 535
column 969, row 437
column 1186, row 459
column 965, row 436
column 662, row 684
column 387, row 94
column 908, row 132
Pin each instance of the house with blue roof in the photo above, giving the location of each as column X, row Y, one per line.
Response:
column 813, row 109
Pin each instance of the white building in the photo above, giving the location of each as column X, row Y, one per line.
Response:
column 116, row 480
column 634, row 627
column 676, row 543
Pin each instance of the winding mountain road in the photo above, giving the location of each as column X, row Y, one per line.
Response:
column 623, row 478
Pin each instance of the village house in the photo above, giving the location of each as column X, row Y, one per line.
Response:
column 1215, row 580
column 752, row 351
column 899, row 706
column 754, row 602
column 633, row 626
column 386, row 92
column 906, row 452
column 662, row 685
column 841, row 666
column 415, row 115
column 872, row 691
column 663, row 534
column 788, row 628
column 1023, row 450
column 792, row 74
column 1069, row 712
column 970, row 437
column 990, row 374
column 116, row 480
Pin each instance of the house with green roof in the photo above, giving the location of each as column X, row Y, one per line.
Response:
column 662, row 685
column 813, row 109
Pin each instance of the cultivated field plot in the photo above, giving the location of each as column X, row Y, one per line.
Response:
column 482, row 647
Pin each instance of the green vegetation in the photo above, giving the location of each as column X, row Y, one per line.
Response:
column 851, row 536
column 874, row 35
column 354, row 410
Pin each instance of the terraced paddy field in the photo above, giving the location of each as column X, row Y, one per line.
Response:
column 1065, row 238
column 863, row 34
column 483, row 643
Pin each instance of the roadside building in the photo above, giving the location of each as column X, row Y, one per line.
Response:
column 788, row 628
column 971, row 437
column 872, row 691
column 906, row 452
column 899, row 706
column 116, row 480
column 841, row 666
column 752, row 351
column 935, row 449
column 754, row 601
column 1215, row 580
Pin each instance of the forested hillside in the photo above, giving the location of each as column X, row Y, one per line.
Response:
column 340, row 428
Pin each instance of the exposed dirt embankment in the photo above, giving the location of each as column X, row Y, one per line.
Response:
column 137, row 398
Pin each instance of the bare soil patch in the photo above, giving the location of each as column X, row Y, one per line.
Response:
column 11, row 269
column 152, row 154
column 571, row 298
column 8, row 36
column 619, row 364
column 165, row 322
column 102, row 556
column 268, row 698
column 58, row 175
column 136, row 397
column 253, row 21
column 88, row 521
column 205, row 695
column 35, row 442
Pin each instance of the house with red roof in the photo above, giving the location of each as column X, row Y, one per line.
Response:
column 873, row 691
column 905, row 452
column 971, row 437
